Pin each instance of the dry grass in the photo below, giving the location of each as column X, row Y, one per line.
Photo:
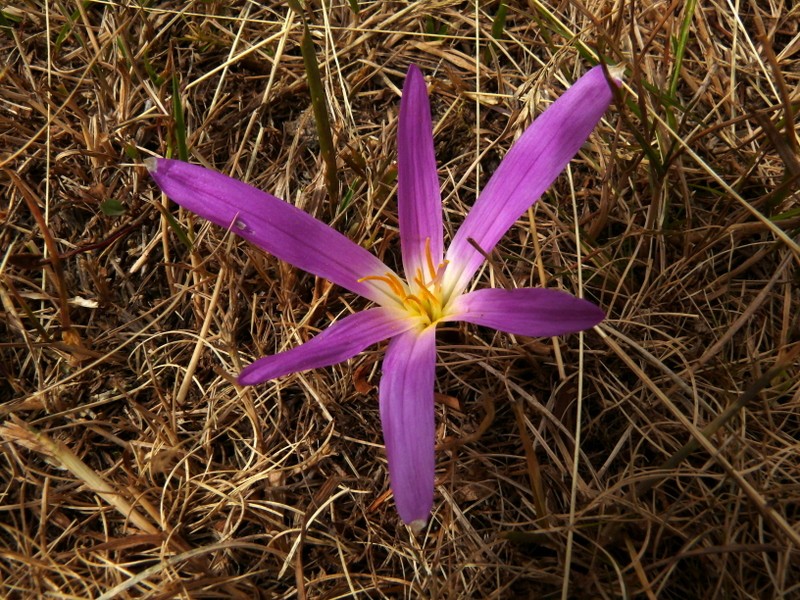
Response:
column 132, row 466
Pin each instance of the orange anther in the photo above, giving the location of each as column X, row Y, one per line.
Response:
column 423, row 289
column 390, row 279
column 416, row 301
column 429, row 258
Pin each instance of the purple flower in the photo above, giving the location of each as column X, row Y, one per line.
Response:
column 434, row 289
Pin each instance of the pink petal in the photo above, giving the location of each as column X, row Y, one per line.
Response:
column 527, row 170
column 342, row 340
column 407, row 416
column 419, row 200
column 535, row 312
column 276, row 226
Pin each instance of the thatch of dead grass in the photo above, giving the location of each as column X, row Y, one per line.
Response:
column 133, row 467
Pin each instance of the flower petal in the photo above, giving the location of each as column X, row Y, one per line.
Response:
column 407, row 417
column 535, row 312
column 276, row 226
column 527, row 170
column 342, row 340
column 419, row 200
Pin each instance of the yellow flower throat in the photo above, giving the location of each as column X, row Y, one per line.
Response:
column 421, row 298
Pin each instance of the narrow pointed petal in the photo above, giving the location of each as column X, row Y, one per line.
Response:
column 535, row 312
column 407, row 417
column 528, row 169
column 419, row 200
column 276, row 226
column 342, row 340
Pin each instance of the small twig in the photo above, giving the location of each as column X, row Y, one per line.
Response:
column 21, row 433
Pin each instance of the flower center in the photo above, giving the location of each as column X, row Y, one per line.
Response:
column 422, row 296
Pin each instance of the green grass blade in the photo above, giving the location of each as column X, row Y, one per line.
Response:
column 680, row 46
column 180, row 123
column 499, row 21
column 320, row 107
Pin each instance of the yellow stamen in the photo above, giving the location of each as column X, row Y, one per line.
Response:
column 416, row 301
column 390, row 279
column 420, row 298
column 429, row 258
column 440, row 270
column 425, row 292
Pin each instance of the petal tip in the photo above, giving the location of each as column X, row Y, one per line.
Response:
column 151, row 164
column 412, row 68
column 417, row 525
column 616, row 72
column 246, row 377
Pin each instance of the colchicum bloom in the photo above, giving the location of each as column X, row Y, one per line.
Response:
column 434, row 291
